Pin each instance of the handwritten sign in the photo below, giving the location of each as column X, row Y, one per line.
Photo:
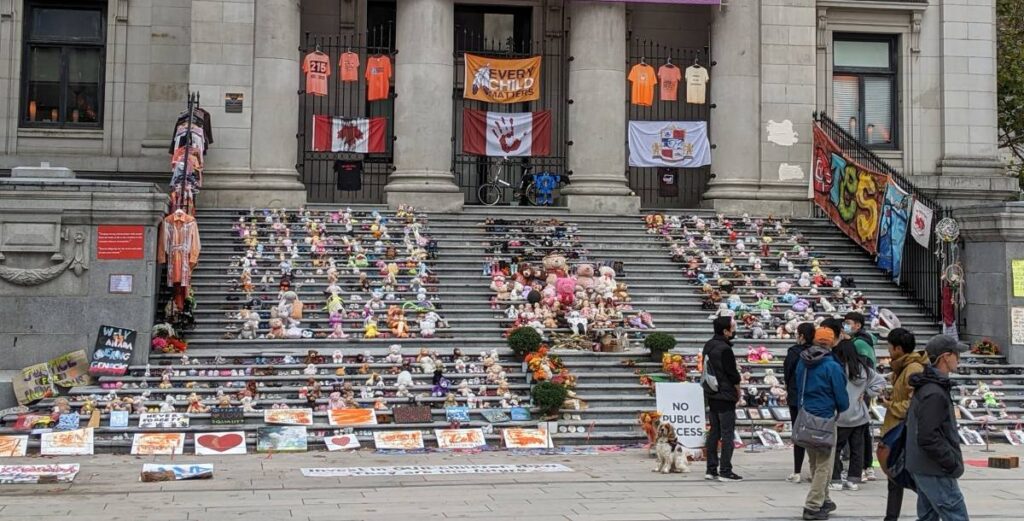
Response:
column 226, row 415
column 288, row 416
column 281, row 439
column 1017, row 325
column 516, row 438
column 38, row 473
column 398, row 440
column 682, row 405
column 13, row 446
column 1017, row 268
column 70, row 369
column 66, row 443
column 163, row 420
column 155, row 472
column 341, row 442
column 113, row 351
column 158, row 443
column 430, row 470
column 460, row 438
column 352, row 417
column 213, row 444
column 33, row 384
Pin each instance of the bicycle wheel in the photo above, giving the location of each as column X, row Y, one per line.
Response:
column 488, row 194
column 531, row 194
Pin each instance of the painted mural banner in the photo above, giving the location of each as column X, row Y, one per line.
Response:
column 892, row 233
column 850, row 194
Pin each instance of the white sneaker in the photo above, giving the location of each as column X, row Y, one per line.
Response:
column 793, row 478
column 869, row 475
column 835, row 485
column 850, row 486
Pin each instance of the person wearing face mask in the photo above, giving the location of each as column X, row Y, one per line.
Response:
column 805, row 337
column 864, row 342
column 720, row 362
column 933, row 454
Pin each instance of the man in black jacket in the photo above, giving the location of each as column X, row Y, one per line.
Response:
column 933, row 445
column 720, row 362
column 804, row 339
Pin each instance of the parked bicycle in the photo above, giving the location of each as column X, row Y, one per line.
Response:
column 493, row 191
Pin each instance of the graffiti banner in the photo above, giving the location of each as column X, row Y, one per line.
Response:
column 496, row 80
column 892, row 233
column 850, row 194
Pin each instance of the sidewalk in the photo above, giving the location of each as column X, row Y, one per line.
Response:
column 617, row 486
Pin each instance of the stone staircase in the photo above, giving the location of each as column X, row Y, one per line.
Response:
column 607, row 382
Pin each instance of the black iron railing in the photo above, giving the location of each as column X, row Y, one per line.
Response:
column 921, row 272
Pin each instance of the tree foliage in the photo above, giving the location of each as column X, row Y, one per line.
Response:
column 1010, row 59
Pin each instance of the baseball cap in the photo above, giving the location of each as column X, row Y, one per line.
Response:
column 824, row 334
column 942, row 344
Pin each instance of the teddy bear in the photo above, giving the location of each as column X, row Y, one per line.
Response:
column 277, row 330
column 555, row 264
column 585, row 276
column 394, row 355
column 565, row 288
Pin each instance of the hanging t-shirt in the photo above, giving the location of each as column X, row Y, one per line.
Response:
column 350, row 175
column 349, row 66
column 317, row 67
column 378, row 77
column 643, row 79
column 696, row 84
column 669, row 76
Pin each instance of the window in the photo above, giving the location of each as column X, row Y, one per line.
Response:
column 63, row 65
column 864, row 88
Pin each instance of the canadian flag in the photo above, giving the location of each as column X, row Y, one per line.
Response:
column 511, row 134
column 362, row 136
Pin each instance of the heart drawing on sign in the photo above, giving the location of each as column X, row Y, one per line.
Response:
column 341, row 441
column 220, row 442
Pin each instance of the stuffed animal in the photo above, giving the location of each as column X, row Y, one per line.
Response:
column 585, row 276
column 577, row 323
column 394, row 355
column 370, row 328
column 565, row 288
column 276, row 329
column 555, row 264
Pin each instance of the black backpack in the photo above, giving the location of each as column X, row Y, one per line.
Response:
column 896, row 463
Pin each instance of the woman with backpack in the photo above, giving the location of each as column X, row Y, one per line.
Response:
column 805, row 338
column 861, row 381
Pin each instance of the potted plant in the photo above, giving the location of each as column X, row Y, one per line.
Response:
column 548, row 397
column 659, row 344
column 524, row 340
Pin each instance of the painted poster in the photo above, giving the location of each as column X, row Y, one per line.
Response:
column 66, row 443
column 163, row 420
column 517, row 438
column 460, row 438
column 496, row 80
column 33, row 384
column 158, row 443
column 288, row 416
column 215, row 444
column 352, row 417
column 921, row 223
column 70, row 369
column 892, row 233
column 1017, row 271
column 675, row 144
column 56, row 473
column 398, row 440
column 682, row 406
column 113, row 351
column 156, row 472
column 341, row 442
column 1017, row 325
column 850, row 194
column 13, row 446
column 281, row 439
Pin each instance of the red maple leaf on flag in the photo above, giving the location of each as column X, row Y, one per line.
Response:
column 350, row 134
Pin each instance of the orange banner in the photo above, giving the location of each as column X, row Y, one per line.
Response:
column 526, row 438
column 460, row 438
column 497, row 80
column 352, row 417
column 155, row 443
column 288, row 416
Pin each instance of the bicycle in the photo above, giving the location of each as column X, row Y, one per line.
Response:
column 493, row 191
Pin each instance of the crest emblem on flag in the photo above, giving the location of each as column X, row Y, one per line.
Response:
column 673, row 145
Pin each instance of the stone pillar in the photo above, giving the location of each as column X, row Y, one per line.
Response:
column 597, row 116
column 423, row 109
column 271, row 179
column 993, row 237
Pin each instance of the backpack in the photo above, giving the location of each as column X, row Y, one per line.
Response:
column 707, row 376
column 894, row 463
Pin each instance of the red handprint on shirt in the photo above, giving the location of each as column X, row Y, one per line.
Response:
column 505, row 129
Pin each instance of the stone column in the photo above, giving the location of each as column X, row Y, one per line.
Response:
column 597, row 116
column 423, row 109
column 736, row 93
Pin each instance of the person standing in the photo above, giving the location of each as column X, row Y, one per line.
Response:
column 804, row 339
column 720, row 361
column 862, row 383
column 821, row 391
column 853, row 326
column 933, row 445
column 905, row 363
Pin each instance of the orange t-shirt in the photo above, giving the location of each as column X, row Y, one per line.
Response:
column 643, row 79
column 317, row 67
column 378, row 77
column 669, row 76
column 349, row 66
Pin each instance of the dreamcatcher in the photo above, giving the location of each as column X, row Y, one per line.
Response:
column 947, row 232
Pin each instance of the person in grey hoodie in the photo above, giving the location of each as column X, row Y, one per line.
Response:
column 861, row 382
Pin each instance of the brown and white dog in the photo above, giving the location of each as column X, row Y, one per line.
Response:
column 670, row 453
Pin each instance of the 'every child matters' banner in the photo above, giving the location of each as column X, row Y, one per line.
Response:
column 692, row 2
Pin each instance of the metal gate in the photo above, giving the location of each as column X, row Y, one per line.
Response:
column 348, row 100
column 690, row 183
column 471, row 170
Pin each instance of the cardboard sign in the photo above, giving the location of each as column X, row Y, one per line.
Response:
column 460, row 438
column 13, row 446
column 281, row 439
column 398, row 440
column 120, row 242
column 57, row 473
column 70, row 369
column 113, row 351
column 155, row 472
column 341, row 442
column 66, row 443
column 457, row 414
column 516, row 438
column 158, row 443
column 288, row 416
column 214, row 444
column 33, row 384
column 227, row 415
column 682, row 405
column 431, row 470
column 163, row 420
column 352, row 417
column 412, row 414
column 118, row 419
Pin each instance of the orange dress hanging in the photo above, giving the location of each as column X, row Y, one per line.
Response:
column 179, row 247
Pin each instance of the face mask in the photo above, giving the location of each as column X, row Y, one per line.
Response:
column 848, row 329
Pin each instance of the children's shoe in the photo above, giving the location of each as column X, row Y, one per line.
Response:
column 794, row 478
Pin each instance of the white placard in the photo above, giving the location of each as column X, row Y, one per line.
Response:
column 348, row 472
column 218, row 443
column 66, row 443
column 341, row 442
column 682, row 405
column 13, row 446
column 1017, row 325
column 60, row 473
column 158, row 443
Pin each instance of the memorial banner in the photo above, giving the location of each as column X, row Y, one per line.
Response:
column 398, row 440
column 431, row 470
column 496, row 80
column 352, row 417
column 848, row 193
column 682, row 406
column 288, row 416
column 31, row 474
column 516, row 438
column 113, row 351
column 683, row 2
column 158, row 443
column 460, row 438
column 66, row 443
column 892, row 234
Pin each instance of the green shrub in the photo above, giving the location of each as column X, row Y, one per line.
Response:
column 523, row 340
column 659, row 343
column 548, row 396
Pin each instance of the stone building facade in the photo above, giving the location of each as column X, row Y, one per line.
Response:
column 915, row 80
